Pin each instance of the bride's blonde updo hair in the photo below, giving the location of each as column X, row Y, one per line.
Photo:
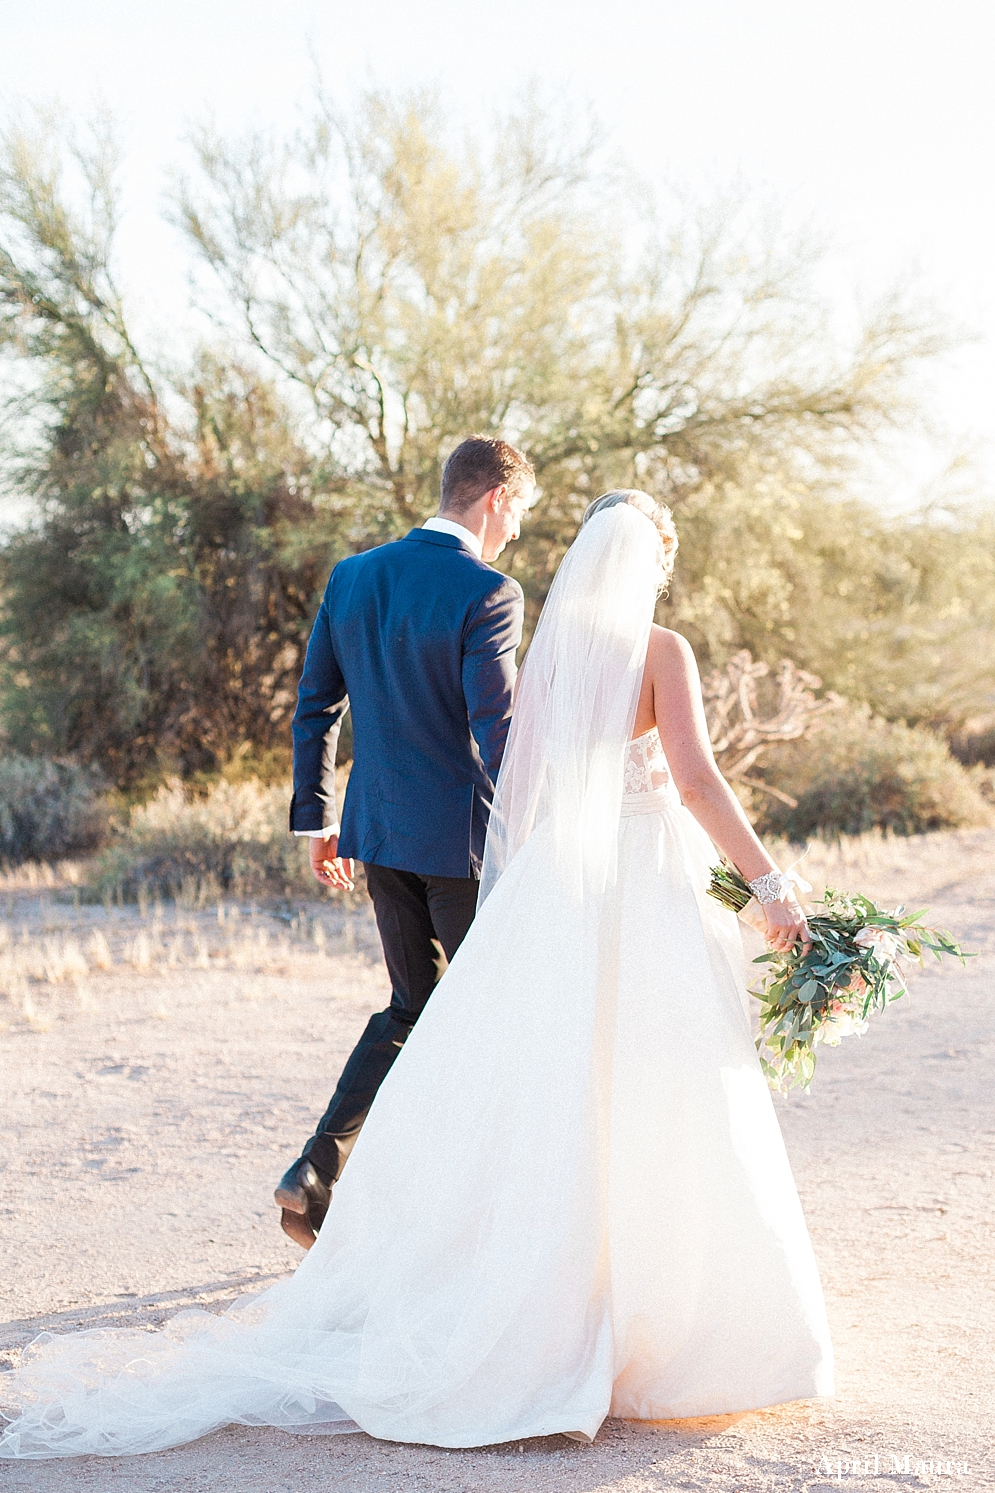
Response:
column 658, row 513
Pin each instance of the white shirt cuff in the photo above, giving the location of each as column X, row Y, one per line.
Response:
column 318, row 834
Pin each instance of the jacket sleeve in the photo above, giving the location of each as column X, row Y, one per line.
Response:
column 490, row 640
column 322, row 702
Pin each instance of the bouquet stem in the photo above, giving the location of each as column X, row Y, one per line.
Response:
column 729, row 887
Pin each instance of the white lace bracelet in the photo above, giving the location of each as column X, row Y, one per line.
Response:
column 772, row 887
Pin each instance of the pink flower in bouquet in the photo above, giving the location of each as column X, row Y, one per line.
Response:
column 841, row 1021
column 856, row 985
column 884, row 945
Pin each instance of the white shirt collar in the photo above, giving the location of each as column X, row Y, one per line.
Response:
column 446, row 526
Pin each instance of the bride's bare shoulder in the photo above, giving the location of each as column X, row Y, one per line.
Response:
column 669, row 650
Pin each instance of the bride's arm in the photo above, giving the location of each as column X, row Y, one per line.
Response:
column 680, row 719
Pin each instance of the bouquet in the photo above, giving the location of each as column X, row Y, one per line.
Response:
column 851, row 970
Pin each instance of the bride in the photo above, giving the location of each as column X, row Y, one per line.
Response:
column 607, row 1222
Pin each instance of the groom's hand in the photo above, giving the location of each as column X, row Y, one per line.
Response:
column 328, row 866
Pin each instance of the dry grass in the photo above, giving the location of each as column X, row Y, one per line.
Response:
column 56, row 948
column 883, row 859
column 34, row 876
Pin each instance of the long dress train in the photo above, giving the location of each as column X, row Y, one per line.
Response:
column 571, row 1198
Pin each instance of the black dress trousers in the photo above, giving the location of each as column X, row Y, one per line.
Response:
column 422, row 922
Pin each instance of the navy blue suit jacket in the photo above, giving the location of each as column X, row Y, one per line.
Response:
column 418, row 638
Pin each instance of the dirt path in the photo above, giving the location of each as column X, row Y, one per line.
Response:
column 149, row 1109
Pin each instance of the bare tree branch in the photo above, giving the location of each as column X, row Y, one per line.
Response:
column 740, row 731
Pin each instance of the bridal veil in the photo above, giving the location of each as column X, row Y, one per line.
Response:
column 575, row 703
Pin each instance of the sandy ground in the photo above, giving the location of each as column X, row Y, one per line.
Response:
column 149, row 1108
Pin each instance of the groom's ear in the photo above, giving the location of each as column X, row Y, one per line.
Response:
column 496, row 497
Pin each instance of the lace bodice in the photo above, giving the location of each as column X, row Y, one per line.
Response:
column 646, row 768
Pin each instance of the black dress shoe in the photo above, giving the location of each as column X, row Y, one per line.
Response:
column 296, row 1227
column 303, row 1198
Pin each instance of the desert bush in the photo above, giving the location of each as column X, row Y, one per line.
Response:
column 232, row 839
column 973, row 746
column 860, row 773
column 49, row 809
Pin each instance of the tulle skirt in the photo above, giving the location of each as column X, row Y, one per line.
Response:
column 571, row 1198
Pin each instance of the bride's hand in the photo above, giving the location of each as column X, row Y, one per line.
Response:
column 785, row 925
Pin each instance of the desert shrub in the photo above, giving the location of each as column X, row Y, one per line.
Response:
column 860, row 773
column 233, row 838
column 269, row 766
column 49, row 809
column 973, row 747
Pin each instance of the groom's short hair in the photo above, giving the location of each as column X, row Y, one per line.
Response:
column 479, row 464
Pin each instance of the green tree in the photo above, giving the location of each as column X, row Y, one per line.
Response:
column 155, row 606
column 415, row 285
column 96, row 616
column 897, row 611
column 391, row 285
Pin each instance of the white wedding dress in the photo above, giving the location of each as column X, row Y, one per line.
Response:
column 571, row 1199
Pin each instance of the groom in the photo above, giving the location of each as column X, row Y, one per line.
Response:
column 418, row 638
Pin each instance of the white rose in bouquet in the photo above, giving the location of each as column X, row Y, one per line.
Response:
column 884, row 945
